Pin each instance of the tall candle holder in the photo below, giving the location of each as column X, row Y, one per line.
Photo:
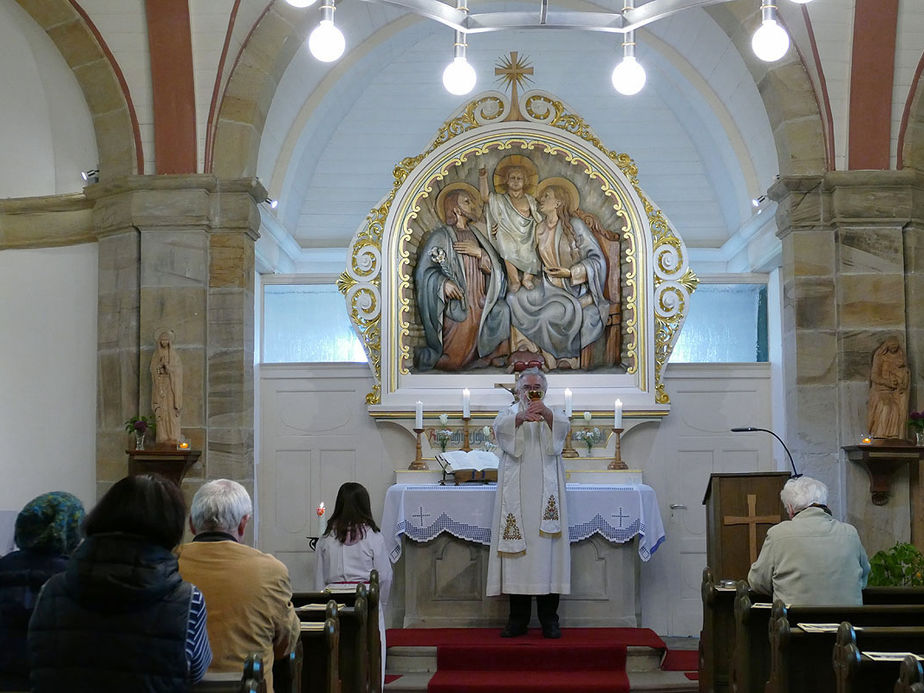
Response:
column 617, row 462
column 466, row 440
column 568, row 451
column 418, row 464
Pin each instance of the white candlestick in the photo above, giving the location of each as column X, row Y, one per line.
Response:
column 568, row 411
column 322, row 521
column 617, row 414
column 466, row 403
column 418, row 416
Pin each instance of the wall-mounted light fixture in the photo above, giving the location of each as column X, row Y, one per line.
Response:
column 90, row 176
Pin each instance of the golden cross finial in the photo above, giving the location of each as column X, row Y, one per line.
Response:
column 514, row 72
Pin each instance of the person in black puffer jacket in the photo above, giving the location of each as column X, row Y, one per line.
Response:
column 47, row 530
column 120, row 618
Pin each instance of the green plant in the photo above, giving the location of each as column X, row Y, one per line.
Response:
column 141, row 425
column 900, row 566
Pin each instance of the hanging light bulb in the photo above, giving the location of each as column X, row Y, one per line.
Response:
column 628, row 76
column 301, row 3
column 802, row 2
column 326, row 42
column 459, row 76
column 770, row 42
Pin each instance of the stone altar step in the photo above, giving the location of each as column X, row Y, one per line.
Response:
column 416, row 665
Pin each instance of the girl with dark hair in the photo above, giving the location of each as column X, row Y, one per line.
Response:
column 47, row 531
column 120, row 618
column 352, row 546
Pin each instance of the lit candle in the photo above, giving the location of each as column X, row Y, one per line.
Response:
column 322, row 523
column 418, row 415
column 466, row 403
column 568, row 411
column 184, row 445
column 617, row 414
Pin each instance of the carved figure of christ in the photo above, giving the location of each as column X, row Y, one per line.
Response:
column 752, row 519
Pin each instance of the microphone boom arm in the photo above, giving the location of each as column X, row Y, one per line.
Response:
column 744, row 429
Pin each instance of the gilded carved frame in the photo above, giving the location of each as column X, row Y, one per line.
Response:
column 378, row 285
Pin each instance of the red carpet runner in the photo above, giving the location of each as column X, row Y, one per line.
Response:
column 584, row 660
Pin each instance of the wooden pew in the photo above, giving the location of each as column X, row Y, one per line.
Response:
column 910, row 677
column 249, row 681
column 320, row 640
column 376, row 656
column 353, row 613
column 717, row 639
column 750, row 667
column 287, row 671
column 800, row 659
column 857, row 672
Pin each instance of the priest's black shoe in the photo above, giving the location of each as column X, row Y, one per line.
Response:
column 551, row 631
column 513, row 631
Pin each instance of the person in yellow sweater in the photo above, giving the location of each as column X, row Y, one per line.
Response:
column 247, row 592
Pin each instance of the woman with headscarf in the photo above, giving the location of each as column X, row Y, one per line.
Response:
column 47, row 531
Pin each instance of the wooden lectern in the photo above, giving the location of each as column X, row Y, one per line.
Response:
column 740, row 508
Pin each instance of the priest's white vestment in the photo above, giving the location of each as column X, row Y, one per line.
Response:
column 526, row 452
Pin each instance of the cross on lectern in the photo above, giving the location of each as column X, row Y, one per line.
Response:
column 752, row 519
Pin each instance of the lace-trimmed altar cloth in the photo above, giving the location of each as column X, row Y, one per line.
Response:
column 424, row 511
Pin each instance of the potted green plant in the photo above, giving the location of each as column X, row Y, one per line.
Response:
column 900, row 566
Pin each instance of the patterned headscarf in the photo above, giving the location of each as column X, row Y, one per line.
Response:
column 50, row 523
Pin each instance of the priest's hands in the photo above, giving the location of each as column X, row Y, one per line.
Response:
column 535, row 411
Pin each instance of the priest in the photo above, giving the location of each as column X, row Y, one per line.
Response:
column 530, row 549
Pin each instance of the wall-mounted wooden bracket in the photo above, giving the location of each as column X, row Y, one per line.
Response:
column 881, row 463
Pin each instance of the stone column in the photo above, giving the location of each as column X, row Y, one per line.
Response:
column 177, row 252
column 844, row 286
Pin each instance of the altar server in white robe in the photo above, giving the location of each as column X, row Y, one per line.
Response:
column 351, row 547
column 530, row 549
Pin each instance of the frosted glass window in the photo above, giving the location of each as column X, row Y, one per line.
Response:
column 307, row 323
column 727, row 323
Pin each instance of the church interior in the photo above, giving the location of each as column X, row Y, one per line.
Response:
column 190, row 166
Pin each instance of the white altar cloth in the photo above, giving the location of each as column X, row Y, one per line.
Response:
column 423, row 511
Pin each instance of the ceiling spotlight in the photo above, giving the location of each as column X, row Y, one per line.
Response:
column 271, row 202
column 326, row 42
column 91, row 176
column 758, row 201
column 770, row 42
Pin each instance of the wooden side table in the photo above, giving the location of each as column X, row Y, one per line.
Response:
column 167, row 461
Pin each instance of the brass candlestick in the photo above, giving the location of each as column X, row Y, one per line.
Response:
column 466, row 441
column 418, row 464
column 617, row 462
column 568, row 451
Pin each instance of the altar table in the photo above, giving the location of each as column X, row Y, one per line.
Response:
column 449, row 528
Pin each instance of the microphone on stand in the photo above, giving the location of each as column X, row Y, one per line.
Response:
column 745, row 429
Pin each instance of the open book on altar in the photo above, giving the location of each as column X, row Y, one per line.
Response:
column 478, row 460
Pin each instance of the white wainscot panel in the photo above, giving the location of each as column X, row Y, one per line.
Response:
column 291, row 490
column 311, row 412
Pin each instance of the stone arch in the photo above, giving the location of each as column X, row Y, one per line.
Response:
column 787, row 92
column 269, row 49
column 911, row 136
column 118, row 140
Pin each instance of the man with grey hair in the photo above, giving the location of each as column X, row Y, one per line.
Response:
column 530, row 550
column 247, row 592
column 812, row 558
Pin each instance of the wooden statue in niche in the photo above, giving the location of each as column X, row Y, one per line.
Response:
column 532, row 273
column 166, row 387
column 889, row 382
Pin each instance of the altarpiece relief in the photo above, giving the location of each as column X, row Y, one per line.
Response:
column 517, row 237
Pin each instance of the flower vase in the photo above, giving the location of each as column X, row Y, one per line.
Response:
column 139, row 440
column 919, row 438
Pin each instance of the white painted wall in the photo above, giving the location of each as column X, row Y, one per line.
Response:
column 48, row 373
column 47, row 137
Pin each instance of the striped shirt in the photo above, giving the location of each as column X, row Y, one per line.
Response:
column 198, row 652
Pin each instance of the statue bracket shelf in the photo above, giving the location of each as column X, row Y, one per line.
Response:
column 167, row 461
column 881, row 461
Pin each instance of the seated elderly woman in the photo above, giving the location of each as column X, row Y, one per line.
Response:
column 120, row 618
column 47, row 530
column 812, row 558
